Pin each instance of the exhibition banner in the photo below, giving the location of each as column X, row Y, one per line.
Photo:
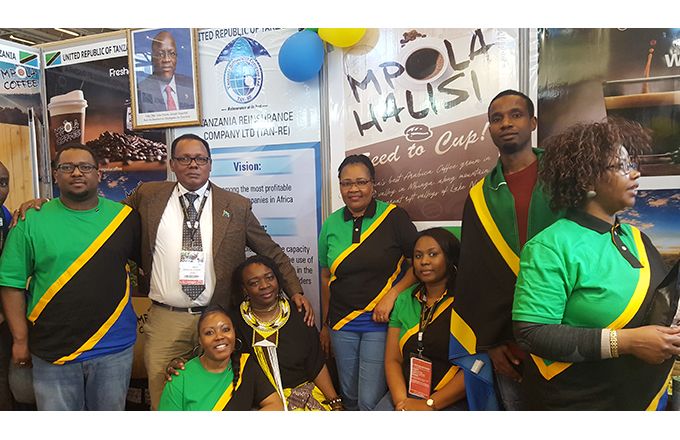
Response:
column 264, row 134
column 88, row 96
column 245, row 99
column 19, row 100
column 586, row 75
column 589, row 74
column 283, row 183
column 415, row 102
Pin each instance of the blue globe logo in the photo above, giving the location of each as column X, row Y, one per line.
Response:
column 243, row 79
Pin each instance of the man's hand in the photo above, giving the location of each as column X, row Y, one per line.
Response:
column 172, row 369
column 302, row 302
column 21, row 212
column 503, row 361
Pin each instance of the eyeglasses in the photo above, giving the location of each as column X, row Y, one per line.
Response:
column 624, row 168
column 361, row 183
column 186, row 161
column 68, row 168
column 164, row 53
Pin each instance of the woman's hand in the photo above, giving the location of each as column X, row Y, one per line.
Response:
column 652, row 343
column 382, row 310
column 325, row 338
column 173, row 367
column 21, row 356
column 410, row 404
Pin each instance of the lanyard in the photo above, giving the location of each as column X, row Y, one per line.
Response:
column 193, row 227
column 426, row 315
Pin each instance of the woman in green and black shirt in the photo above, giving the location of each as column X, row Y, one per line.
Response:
column 419, row 375
column 221, row 379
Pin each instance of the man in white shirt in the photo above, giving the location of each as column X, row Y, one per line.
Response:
column 190, row 246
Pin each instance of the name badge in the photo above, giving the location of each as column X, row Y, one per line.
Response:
column 420, row 377
column 192, row 267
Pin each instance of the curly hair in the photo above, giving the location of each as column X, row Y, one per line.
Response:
column 576, row 159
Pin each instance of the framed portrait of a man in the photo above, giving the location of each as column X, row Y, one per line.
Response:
column 164, row 86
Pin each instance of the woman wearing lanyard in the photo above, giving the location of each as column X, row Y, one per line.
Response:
column 220, row 379
column 593, row 301
column 362, row 249
column 419, row 375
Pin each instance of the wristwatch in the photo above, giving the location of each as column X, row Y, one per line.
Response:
column 430, row 403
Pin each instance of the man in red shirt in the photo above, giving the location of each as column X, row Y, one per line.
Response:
column 502, row 212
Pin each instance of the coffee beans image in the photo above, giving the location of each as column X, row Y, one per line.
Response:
column 126, row 148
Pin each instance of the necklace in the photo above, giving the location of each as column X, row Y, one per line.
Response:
column 269, row 322
column 266, row 309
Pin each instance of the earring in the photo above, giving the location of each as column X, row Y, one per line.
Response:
column 591, row 194
column 239, row 344
column 197, row 348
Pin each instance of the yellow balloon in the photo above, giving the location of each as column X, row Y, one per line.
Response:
column 342, row 37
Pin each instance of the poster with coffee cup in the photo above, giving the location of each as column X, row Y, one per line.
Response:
column 415, row 102
column 88, row 101
column 589, row 74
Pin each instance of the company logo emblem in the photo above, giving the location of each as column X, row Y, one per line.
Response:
column 20, row 72
column 243, row 74
column 417, row 133
column 68, row 126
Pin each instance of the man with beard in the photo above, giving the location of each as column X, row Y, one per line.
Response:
column 502, row 212
column 83, row 328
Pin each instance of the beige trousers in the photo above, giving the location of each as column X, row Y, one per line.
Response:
column 168, row 335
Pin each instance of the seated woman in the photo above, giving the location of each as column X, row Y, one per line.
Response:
column 288, row 351
column 419, row 375
column 221, row 379
column 586, row 295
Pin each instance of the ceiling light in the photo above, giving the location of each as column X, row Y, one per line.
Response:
column 66, row 31
column 21, row 40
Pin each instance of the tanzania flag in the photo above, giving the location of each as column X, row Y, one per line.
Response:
column 477, row 368
column 489, row 256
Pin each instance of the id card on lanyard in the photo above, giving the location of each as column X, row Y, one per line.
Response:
column 192, row 262
column 420, row 371
column 420, row 376
column 192, row 267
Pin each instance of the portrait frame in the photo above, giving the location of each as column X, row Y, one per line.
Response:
column 149, row 75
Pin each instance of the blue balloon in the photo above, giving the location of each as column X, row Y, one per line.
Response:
column 301, row 56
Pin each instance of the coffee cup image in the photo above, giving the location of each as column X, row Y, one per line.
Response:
column 67, row 119
column 424, row 60
column 654, row 102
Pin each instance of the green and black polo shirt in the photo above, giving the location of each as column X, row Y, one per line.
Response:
column 406, row 316
column 585, row 272
column 364, row 256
